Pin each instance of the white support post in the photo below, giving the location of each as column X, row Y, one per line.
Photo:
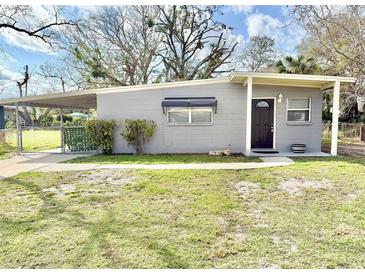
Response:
column 335, row 115
column 248, row 115
column 62, row 132
column 18, row 150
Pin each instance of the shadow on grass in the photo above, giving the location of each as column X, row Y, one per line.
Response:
column 168, row 256
column 64, row 214
column 51, row 212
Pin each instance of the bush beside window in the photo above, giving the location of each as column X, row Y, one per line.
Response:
column 137, row 133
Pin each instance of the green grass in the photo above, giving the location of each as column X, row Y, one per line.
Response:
column 33, row 141
column 186, row 218
column 327, row 142
column 6, row 151
column 162, row 159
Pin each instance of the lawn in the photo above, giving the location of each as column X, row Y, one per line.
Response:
column 162, row 159
column 33, row 140
column 306, row 215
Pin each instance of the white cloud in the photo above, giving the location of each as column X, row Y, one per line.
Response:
column 262, row 24
column 7, row 57
column 286, row 37
column 36, row 17
column 8, row 80
column 237, row 9
column 6, row 74
column 84, row 10
column 36, row 85
column 26, row 42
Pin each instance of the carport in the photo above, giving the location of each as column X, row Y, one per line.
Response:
column 76, row 100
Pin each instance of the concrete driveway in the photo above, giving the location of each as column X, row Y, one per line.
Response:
column 32, row 162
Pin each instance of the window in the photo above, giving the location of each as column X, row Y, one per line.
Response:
column 178, row 115
column 262, row 104
column 189, row 115
column 299, row 110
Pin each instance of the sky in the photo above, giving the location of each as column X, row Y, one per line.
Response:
column 19, row 50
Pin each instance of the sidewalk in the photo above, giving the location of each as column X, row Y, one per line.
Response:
column 31, row 161
column 52, row 162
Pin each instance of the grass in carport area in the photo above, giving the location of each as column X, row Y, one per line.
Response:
column 162, row 159
column 33, row 141
column 38, row 139
column 306, row 215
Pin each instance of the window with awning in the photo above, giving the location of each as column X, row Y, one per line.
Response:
column 189, row 102
column 189, row 110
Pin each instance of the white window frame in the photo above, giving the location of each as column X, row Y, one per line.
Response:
column 189, row 123
column 300, row 109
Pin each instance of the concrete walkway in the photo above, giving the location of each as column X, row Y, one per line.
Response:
column 31, row 161
column 52, row 162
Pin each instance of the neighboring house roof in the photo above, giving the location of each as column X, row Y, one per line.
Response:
column 86, row 99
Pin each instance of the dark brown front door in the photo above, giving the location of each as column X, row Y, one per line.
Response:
column 262, row 123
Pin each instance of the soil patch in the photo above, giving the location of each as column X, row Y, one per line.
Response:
column 297, row 187
column 106, row 176
column 246, row 188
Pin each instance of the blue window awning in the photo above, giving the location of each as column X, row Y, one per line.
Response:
column 189, row 102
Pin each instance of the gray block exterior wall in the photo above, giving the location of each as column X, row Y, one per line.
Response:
column 289, row 133
column 228, row 129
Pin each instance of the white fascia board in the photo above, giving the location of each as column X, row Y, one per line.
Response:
column 292, row 76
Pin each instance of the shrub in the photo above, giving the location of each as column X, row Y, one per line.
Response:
column 75, row 122
column 66, row 118
column 101, row 133
column 137, row 133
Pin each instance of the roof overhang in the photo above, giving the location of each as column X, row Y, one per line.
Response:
column 86, row 99
column 70, row 100
column 292, row 80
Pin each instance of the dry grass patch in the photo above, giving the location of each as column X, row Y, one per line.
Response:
column 297, row 187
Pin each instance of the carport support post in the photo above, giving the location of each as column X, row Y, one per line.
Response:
column 62, row 133
column 248, row 115
column 335, row 114
column 18, row 148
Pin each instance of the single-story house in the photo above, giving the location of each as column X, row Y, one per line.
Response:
column 246, row 112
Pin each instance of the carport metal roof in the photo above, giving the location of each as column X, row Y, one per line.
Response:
column 86, row 99
column 73, row 100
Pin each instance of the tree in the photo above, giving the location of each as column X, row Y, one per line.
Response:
column 130, row 45
column 68, row 77
column 23, row 19
column 132, row 32
column 258, row 54
column 116, row 46
column 336, row 38
column 297, row 65
column 339, row 29
column 54, row 71
column 194, row 43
